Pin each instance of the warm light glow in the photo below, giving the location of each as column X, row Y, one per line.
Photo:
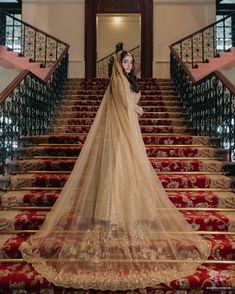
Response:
column 117, row 19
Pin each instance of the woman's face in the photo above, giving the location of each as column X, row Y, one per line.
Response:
column 127, row 63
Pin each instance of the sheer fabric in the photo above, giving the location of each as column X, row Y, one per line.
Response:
column 113, row 226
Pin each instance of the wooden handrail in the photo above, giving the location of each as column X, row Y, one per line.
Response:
column 221, row 77
column 114, row 53
column 225, row 81
column 174, row 52
column 11, row 87
column 134, row 48
column 52, row 69
column 106, row 57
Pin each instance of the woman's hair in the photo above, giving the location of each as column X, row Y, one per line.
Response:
column 130, row 76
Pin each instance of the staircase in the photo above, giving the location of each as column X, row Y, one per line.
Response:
column 14, row 60
column 222, row 62
column 187, row 166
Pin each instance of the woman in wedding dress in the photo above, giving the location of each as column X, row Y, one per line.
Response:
column 113, row 226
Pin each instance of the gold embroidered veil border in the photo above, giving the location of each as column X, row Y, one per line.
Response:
column 113, row 226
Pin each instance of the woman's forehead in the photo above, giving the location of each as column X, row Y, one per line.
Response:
column 128, row 56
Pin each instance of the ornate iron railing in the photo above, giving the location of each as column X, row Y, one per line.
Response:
column 207, row 43
column 209, row 102
column 28, row 104
column 103, row 64
column 29, row 41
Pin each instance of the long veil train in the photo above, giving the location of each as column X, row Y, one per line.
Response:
column 113, row 226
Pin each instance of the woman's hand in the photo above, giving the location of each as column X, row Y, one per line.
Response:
column 139, row 110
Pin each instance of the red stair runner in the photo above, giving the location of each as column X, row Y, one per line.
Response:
column 186, row 165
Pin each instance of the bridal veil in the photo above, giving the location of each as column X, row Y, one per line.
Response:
column 113, row 226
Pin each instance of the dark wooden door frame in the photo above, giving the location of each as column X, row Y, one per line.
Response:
column 146, row 7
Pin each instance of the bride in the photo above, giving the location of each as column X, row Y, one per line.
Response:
column 113, row 226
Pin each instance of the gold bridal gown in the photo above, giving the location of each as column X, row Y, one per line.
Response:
column 113, row 226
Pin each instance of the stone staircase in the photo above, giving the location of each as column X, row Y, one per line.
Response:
column 187, row 166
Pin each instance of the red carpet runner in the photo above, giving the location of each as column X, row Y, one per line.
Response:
column 186, row 165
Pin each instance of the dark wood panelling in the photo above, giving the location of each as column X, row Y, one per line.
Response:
column 90, row 37
column 146, row 37
column 118, row 6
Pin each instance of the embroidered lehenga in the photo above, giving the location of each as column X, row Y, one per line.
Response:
column 113, row 226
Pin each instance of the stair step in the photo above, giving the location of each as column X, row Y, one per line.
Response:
column 157, row 110
column 180, row 209
column 199, row 199
column 81, row 82
column 146, row 145
column 181, row 199
column 15, row 274
column 157, row 86
column 33, row 198
column 199, row 233
column 144, row 129
column 74, row 98
column 167, row 106
column 46, row 172
column 195, row 181
column 191, row 165
column 165, row 139
column 103, row 86
column 83, row 112
column 167, row 180
column 142, row 121
column 152, row 151
column 151, row 158
column 160, row 165
column 223, row 246
column 200, row 220
column 102, row 91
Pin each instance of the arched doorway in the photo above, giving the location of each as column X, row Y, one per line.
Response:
column 144, row 7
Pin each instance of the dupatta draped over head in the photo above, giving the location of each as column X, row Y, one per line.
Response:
column 113, row 226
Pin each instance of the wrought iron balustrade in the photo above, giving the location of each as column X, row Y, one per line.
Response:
column 103, row 65
column 29, row 41
column 28, row 104
column 210, row 103
column 207, row 43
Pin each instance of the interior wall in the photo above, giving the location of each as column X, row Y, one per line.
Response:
column 174, row 20
column 110, row 32
column 63, row 19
